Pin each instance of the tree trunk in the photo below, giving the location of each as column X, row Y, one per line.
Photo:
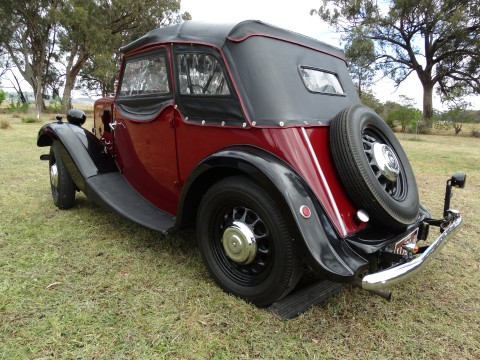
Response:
column 67, row 93
column 39, row 97
column 428, row 104
column 73, row 69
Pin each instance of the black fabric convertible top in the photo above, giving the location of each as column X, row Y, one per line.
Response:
column 264, row 63
column 218, row 34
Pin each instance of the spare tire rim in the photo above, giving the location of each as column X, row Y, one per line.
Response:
column 384, row 162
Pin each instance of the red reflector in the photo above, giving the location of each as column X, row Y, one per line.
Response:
column 305, row 211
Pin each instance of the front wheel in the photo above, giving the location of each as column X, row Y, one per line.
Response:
column 61, row 183
column 245, row 242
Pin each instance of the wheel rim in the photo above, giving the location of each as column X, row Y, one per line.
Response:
column 54, row 175
column 241, row 245
column 384, row 162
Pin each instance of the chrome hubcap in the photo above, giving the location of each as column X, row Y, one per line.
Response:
column 54, row 175
column 239, row 243
column 386, row 160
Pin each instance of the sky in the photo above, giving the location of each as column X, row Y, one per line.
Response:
column 295, row 16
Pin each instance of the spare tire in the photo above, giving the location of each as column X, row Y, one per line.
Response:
column 373, row 167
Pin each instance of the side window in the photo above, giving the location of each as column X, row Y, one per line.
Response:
column 201, row 74
column 145, row 75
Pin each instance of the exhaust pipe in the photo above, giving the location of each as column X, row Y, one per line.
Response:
column 387, row 295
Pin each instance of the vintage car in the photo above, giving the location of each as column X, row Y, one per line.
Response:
column 256, row 136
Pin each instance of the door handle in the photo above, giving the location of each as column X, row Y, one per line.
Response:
column 114, row 124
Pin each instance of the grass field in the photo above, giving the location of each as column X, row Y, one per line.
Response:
column 85, row 283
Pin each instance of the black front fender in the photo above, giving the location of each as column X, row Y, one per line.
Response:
column 81, row 151
column 318, row 242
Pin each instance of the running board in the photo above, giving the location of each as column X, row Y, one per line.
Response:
column 299, row 301
column 112, row 191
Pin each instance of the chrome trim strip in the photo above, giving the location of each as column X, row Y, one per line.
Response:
column 397, row 274
column 324, row 180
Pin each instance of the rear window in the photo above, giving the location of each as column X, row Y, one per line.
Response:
column 321, row 81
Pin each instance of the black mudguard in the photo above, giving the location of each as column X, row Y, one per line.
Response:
column 81, row 151
column 322, row 248
column 95, row 174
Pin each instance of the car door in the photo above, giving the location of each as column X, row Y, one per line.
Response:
column 144, row 138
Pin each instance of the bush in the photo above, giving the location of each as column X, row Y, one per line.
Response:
column 391, row 123
column 29, row 119
column 424, row 130
column 4, row 124
column 55, row 105
column 17, row 106
column 442, row 125
column 475, row 133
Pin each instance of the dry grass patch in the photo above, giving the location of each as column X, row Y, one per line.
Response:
column 4, row 124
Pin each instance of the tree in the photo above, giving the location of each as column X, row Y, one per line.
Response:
column 92, row 33
column 372, row 102
column 27, row 32
column 93, row 43
column 51, row 41
column 360, row 54
column 439, row 40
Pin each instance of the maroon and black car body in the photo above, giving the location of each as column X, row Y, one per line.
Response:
column 256, row 136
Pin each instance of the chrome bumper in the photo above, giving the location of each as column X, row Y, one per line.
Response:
column 394, row 275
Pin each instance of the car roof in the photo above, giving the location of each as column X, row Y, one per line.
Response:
column 218, row 34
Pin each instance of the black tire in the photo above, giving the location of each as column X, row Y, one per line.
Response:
column 62, row 185
column 358, row 138
column 274, row 267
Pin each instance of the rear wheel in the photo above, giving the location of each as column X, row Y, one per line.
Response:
column 245, row 242
column 62, row 185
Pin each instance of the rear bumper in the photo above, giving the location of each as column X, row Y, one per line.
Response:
column 400, row 273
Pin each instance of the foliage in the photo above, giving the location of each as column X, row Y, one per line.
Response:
column 51, row 41
column 27, row 32
column 360, row 54
column 437, row 40
column 29, row 119
column 18, row 106
column 3, row 96
column 405, row 114
column 456, row 116
column 371, row 101
column 94, row 32
column 475, row 133
column 56, row 105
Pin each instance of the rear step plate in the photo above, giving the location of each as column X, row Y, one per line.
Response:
column 299, row 301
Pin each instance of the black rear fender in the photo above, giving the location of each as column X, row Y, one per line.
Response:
column 321, row 247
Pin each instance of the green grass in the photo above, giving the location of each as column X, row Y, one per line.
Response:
column 85, row 283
